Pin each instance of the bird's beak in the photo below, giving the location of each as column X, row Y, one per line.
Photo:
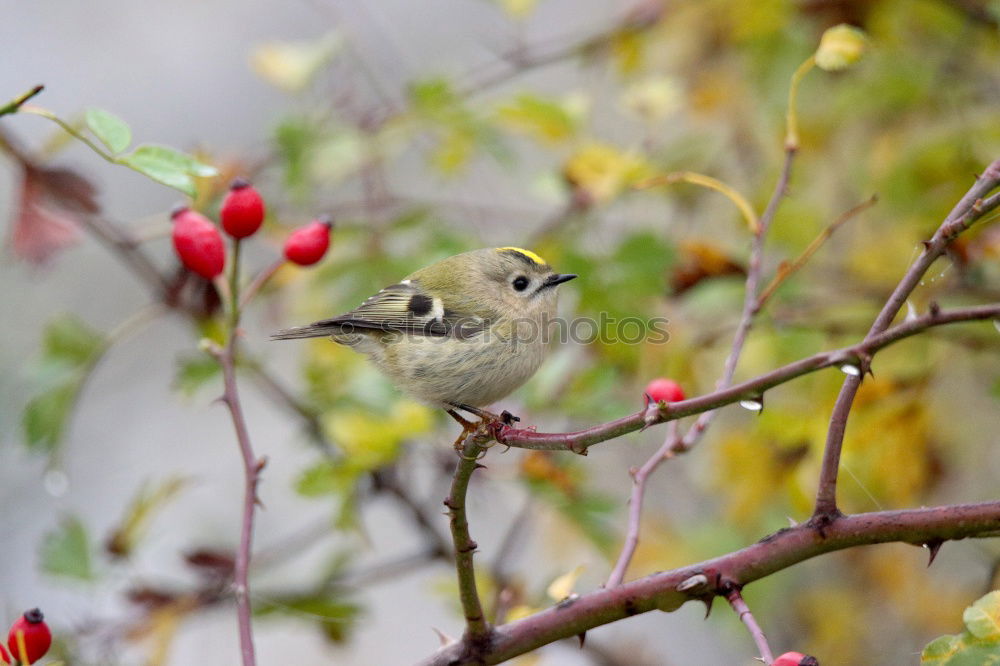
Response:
column 557, row 279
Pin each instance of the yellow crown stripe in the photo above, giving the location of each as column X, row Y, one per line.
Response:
column 528, row 253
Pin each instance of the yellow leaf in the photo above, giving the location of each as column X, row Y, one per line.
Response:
column 562, row 586
column 454, row 150
column 372, row 439
column 291, row 66
column 518, row 9
column 520, row 612
column 603, row 171
column 654, row 98
column 543, row 119
column 627, row 47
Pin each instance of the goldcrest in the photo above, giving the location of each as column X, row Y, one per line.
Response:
column 463, row 332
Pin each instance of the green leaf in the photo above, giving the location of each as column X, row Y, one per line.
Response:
column 327, row 477
column 66, row 551
column 336, row 616
column 543, row 119
column 193, row 372
column 67, row 339
column 169, row 167
column 432, row 96
column 978, row 645
column 110, row 129
column 983, row 617
column 44, row 418
column 134, row 525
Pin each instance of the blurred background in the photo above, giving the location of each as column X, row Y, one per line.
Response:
column 427, row 129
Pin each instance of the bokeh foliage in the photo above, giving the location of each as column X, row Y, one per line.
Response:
column 694, row 85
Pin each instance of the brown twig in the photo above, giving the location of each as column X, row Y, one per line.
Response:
column 580, row 440
column 251, row 464
column 260, row 280
column 508, row 543
column 639, row 477
column 787, row 270
column 642, row 17
column 970, row 208
column 477, row 630
column 673, row 444
column 741, row 609
column 774, row 553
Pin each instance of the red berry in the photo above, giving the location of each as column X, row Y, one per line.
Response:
column 242, row 210
column 37, row 637
column 664, row 390
column 308, row 244
column 795, row 659
column 4, row 657
column 198, row 243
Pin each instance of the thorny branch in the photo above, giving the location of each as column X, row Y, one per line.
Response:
column 969, row 209
column 660, row 591
column 477, row 629
column 828, row 530
column 673, row 444
column 251, row 464
column 581, row 440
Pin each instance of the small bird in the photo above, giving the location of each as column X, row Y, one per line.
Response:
column 461, row 333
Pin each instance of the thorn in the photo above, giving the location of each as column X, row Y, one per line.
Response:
column 926, row 244
column 933, row 547
column 583, row 638
column 692, row 582
column 479, row 466
column 935, row 309
column 261, row 464
column 443, row 637
column 708, row 605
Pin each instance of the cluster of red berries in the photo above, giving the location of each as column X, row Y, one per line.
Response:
column 664, row 390
column 199, row 244
column 29, row 639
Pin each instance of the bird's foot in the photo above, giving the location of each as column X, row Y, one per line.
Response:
column 490, row 424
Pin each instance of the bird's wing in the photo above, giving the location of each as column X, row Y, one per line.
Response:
column 400, row 308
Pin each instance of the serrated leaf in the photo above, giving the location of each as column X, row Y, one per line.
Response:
column 112, row 131
column 67, row 339
column 44, row 418
column 168, row 166
column 193, row 372
column 66, row 551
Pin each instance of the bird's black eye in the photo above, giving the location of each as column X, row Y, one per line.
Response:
column 520, row 283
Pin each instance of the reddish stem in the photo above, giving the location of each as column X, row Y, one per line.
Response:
column 735, row 600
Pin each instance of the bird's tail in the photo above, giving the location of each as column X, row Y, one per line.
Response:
column 310, row 331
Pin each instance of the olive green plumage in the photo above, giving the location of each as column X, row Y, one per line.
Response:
column 466, row 330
